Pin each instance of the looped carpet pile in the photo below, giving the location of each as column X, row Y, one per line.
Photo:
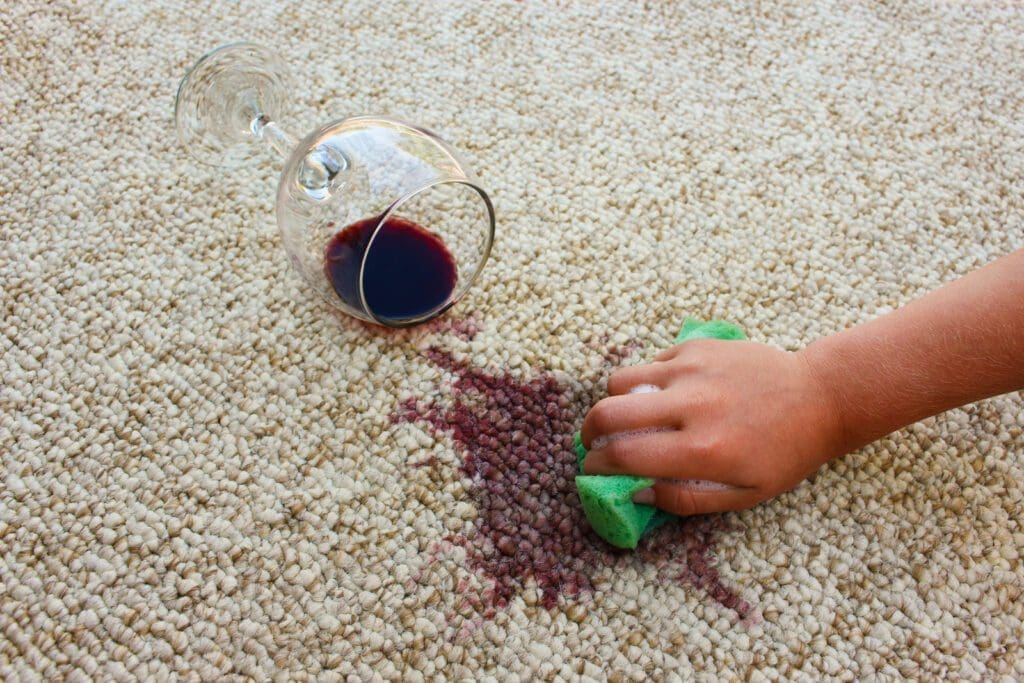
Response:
column 206, row 475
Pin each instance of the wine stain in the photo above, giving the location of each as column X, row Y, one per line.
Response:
column 514, row 436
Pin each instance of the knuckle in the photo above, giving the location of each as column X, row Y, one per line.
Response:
column 663, row 355
column 602, row 415
column 679, row 500
column 709, row 446
column 695, row 353
column 620, row 381
column 616, row 453
column 693, row 398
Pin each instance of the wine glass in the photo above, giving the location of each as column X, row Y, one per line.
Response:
column 379, row 216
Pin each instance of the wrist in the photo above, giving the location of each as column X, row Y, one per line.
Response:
column 841, row 433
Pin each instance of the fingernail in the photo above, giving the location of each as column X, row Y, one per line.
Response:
column 644, row 496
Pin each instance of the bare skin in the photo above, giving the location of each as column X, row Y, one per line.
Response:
column 761, row 420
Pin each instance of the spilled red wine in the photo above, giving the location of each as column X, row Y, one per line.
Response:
column 409, row 270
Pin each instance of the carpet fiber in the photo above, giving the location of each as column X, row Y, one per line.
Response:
column 206, row 474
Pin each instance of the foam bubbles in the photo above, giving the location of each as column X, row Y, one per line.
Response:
column 602, row 441
column 699, row 484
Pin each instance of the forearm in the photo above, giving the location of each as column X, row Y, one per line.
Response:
column 959, row 344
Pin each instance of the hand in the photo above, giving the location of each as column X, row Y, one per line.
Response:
column 748, row 416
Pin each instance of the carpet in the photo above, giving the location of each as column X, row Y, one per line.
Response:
column 207, row 475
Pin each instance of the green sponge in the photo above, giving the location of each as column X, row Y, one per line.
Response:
column 608, row 499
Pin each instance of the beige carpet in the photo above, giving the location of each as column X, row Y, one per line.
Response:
column 205, row 475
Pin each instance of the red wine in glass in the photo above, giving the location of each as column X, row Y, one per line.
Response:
column 409, row 271
column 354, row 167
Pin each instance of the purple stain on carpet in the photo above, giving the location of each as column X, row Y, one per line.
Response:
column 685, row 550
column 465, row 329
column 515, row 439
column 514, row 436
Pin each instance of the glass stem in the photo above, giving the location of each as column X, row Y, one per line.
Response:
column 273, row 135
column 317, row 172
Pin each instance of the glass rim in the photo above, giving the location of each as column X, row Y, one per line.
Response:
column 220, row 153
column 463, row 286
column 195, row 65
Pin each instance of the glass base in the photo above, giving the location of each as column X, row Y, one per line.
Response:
column 222, row 96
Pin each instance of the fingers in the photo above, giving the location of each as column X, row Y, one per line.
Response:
column 624, row 380
column 696, row 352
column 628, row 413
column 666, row 455
column 668, row 354
column 696, row 498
